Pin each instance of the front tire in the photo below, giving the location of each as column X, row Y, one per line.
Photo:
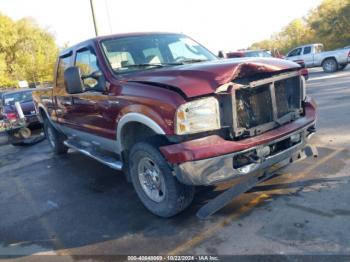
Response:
column 330, row 65
column 158, row 189
column 342, row 67
column 55, row 138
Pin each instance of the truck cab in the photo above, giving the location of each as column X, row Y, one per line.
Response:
column 305, row 53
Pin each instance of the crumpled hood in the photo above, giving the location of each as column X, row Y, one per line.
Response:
column 204, row 78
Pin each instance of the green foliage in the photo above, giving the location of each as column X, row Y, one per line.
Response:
column 329, row 24
column 27, row 52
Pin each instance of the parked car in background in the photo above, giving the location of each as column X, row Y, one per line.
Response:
column 314, row 56
column 18, row 116
column 173, row 116
column 248, row 53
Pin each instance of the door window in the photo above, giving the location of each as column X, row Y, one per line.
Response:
column 307, row 50
column 63, row 64
column 295, row 52
column 86, row 60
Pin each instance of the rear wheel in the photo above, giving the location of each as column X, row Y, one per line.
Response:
column 54, row 138
column 330, row 65
column 154, row 183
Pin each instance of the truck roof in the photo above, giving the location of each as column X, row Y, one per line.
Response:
column 308, row 45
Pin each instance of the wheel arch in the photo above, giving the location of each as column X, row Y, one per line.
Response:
column 329, row 57
column 42, row 113
column 136, row 119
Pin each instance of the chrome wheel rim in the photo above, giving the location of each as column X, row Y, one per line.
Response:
column 50, row 136
column 151, row 180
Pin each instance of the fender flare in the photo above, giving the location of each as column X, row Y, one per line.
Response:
column 139, row 118
column 42, row 108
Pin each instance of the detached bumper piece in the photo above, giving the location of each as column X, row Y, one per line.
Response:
column 250, row 180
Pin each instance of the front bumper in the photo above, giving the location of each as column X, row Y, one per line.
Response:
column 219, row 169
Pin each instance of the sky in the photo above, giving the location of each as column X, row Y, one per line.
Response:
column 219, row 25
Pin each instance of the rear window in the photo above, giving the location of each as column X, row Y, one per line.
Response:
column 22, row 97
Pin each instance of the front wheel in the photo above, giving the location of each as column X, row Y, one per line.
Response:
column 342, row 67
column 154, row 183
column 330, row 65
column 55, row 138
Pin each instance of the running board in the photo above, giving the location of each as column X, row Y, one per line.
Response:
column 107, row 160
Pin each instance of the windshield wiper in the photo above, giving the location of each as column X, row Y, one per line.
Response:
column 144, row 65
column 194, row 60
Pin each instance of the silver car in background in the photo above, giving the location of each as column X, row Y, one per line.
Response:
column 314, row 56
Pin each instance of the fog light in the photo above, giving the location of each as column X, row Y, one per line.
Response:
column 246, row 169
column 295, row 138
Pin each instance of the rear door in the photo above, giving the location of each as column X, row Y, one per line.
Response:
column 308, row 56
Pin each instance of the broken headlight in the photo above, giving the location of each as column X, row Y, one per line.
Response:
column 197, row 116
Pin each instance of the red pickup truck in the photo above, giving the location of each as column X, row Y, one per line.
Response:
column 172, row 116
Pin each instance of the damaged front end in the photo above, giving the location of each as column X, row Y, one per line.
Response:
column 265, row 119
column 268, row 123
column 252, row 108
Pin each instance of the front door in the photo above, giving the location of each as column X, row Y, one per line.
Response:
column 90, row 109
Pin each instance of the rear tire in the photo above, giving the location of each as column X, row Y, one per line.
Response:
column 330, row 65
column 55, row 138
column 156, row 186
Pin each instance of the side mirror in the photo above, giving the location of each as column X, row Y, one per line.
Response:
column 221, row 54
column 72, row 80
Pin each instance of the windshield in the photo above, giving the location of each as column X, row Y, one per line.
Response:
column 22, row 97
column 258, row 54
column 149, row 51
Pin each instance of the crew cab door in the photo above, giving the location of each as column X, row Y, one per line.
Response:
column 90, row 109
column 308, row 56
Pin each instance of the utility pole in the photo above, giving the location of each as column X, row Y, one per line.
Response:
column 93, row 16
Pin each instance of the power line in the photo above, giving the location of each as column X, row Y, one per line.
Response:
column 93, row 17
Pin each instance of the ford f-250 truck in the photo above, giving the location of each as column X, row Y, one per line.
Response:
column 314, row 56
column 172, row 116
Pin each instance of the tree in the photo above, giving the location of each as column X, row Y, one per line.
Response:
column 27, row 52
column 329, row 23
